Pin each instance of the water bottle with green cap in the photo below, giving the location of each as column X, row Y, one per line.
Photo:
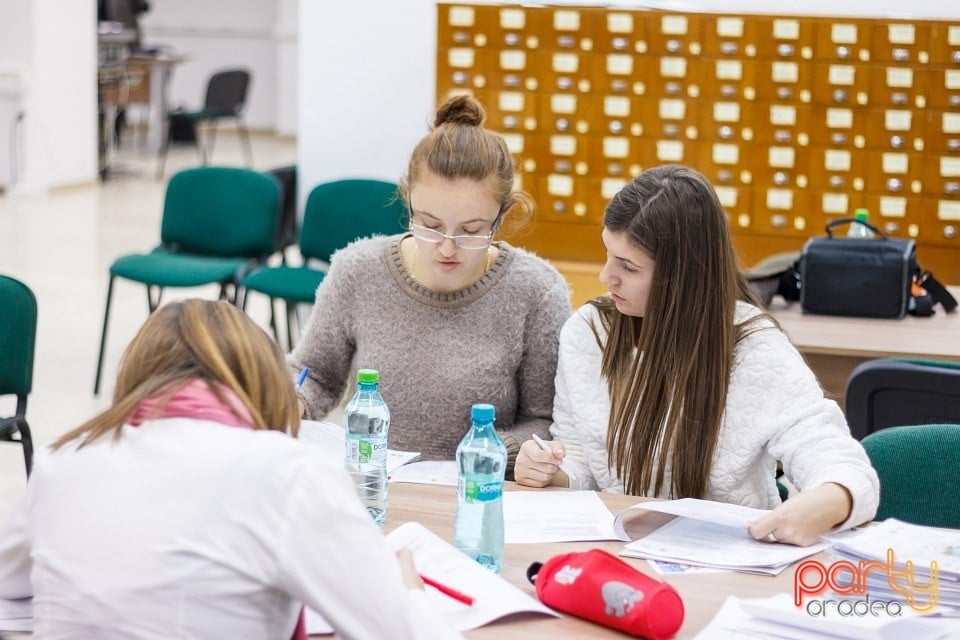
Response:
column 367, row 421
column 481, row 466
column 858, row 230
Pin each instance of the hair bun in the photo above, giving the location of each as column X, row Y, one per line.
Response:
column 463, row 110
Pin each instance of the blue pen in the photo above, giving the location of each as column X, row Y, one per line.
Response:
column 302, row 377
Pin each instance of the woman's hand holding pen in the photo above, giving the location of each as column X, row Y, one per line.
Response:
column 539, row 465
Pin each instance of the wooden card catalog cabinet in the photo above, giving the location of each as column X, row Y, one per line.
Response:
column 797, row 120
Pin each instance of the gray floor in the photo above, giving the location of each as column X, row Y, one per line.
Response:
column 61, row 245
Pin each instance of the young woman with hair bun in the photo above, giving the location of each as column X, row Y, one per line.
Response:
column 449, row 315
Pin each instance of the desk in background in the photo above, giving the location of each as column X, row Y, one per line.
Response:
column 435, row 507
column 834, row 346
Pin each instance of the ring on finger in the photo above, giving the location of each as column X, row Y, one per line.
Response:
column 771, row 538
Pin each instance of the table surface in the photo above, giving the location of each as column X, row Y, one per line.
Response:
column 936, row 337
column 434, row 507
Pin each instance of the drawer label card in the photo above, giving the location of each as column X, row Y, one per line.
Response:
column 673, row 67
column 948, row 210
column 783, row 115
column 673, row 109
column 895, row 163
column 785, row 72
column 893, row 206
column 513, row 60
column 460, row 17
column 841, row 74
column 673, row 25
column 951, row 122
column 610, row 186
column 897, row 120
column 726, row 154
column 786, row 29
column 566, row 62
column 899, row 77
column 835, row 203
column 949, row 167
column 563, row 103
column 563, row 146
column 843, row 33
column 901, row 34
column 780, row 199
column 839, row 118
column 836, row 160
column 729, row 70
column 512, row 18
column 616, row 147
column 619, row 64
column 730, row 27
column 726, row 112
column 566, row 20
column 727, row 196
column 620, row 23
column 460, row 58
column 616, row 107
column 559, row 185
column 511, row 101
column 670, row 150
column 781, row 157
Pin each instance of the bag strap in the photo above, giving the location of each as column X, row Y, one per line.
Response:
column 936, row 290
column 842, row 221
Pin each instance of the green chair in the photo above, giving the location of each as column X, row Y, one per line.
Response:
column 218, row 225
column 336, row 214
column 919, row 469
column 18, row 332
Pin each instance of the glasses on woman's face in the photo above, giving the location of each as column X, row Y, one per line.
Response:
column 464, row 242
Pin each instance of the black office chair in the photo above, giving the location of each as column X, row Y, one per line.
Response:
column 891, row 393
column 226, row 98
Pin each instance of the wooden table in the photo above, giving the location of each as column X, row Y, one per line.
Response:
column 434, row 507
column 834, row 345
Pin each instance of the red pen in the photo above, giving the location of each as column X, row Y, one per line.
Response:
column 447, row 591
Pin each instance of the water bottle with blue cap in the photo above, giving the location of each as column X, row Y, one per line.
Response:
column 481, row 466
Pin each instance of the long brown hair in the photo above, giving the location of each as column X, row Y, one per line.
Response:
column 199, row 339
column 668, row 372
column 459, row 146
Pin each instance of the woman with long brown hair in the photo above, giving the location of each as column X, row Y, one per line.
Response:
column 185, row 510
column 678, row 385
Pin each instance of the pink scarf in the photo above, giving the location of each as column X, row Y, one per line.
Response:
column 196, row 400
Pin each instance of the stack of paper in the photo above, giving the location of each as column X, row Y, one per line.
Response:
column 330, row 437
column 557, row 516
column 905, row 543
column 778, row 617
column 713, row 534
column 439, row 472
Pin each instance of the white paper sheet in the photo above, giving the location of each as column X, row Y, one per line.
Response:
column 330, row 437
column 556, row 516
column 439, row 472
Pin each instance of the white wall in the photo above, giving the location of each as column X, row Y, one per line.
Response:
column 367, row 77
column 59, row 94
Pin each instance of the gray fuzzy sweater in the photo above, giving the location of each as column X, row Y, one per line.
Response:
column 494, row 341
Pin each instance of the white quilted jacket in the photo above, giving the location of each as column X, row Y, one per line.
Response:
column 775, row 410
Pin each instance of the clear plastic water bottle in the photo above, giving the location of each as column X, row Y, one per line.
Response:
column 857, row 230
column 481, row 463
column 367, row 421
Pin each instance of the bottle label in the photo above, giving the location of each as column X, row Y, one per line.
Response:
column 363, row 450
column 482, row 491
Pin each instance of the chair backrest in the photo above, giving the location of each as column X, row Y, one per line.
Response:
column 917, row 466
column 339, row 212
column 221, row 211
column 888, row 392
column 287, row 230
column 18, row 332
column 226, row 93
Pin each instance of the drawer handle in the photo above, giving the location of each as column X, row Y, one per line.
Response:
column 567, row 42
column 784, row 93
column 511, row 80
column 895, row 184
column 673, row 88
column 619, row 44
column 955, row 101
column 559, row 206
column 836, row 182
column 729, row 48
column 562, row 166
column 459, row 77
column 724, row 175
column 892, row 228
column 896, row 142
column 843, row 52
column 778, row 221
column 950, row 231
column 674, row 46
column 615, row 169
column 840, row 95
column 511, row 39
column 952, row 188
column 725, row 132
column 953, row 144
column 616, row 126
column 461, row 37
column 510, row 122
column 563, row 82
column 785, row 49
column 956, row 56
column 562, row 124
column 671, row 130
column 728, row 91
column 780, row 178
column 901, row 55
column 899, row 97
column 838, row 138
column 619, row 85
column 781, row 135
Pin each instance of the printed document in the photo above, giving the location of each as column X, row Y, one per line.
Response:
column 556, row 516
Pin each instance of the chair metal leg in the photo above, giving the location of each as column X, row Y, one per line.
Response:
column 103, row 338
column 162, row 160
column 208, row 152
column 245, row 139
column 26, row 439
column 151, row 303
column 291, row 316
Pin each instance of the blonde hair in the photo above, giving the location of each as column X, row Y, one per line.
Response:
column 206, row 340
column 459, row 146
column 668, row 372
